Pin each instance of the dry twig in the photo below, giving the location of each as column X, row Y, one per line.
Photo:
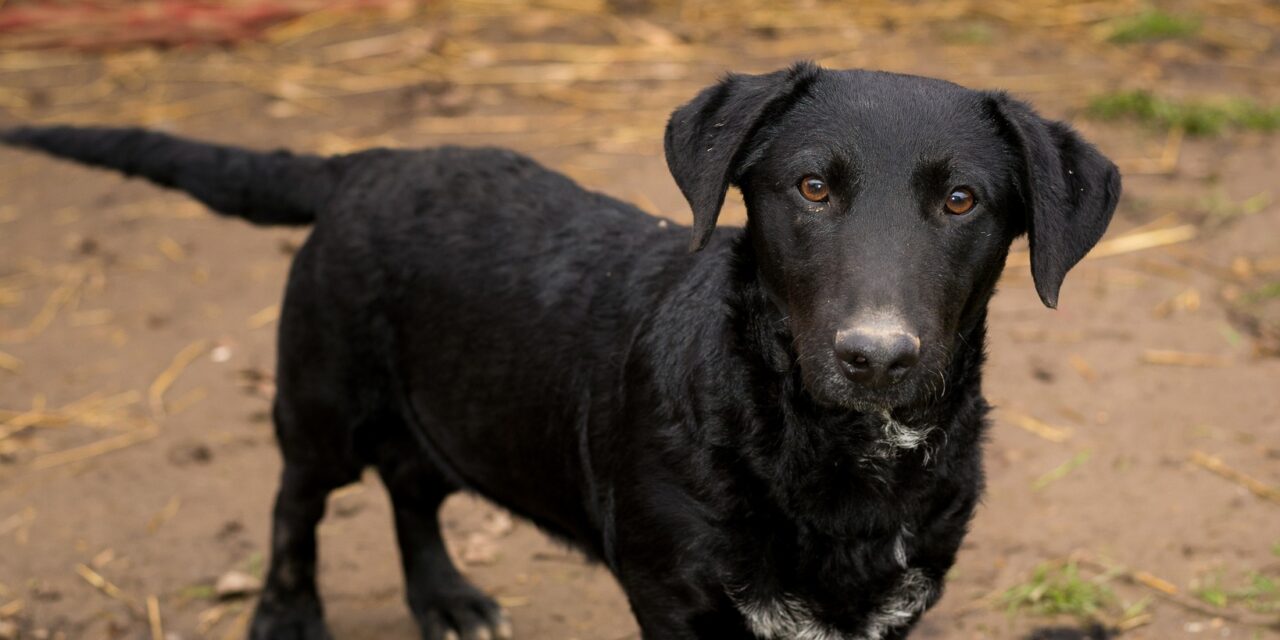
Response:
column 184, row 358
column 1037, row 427
column 1183, row 359
column 1219, row 468
column 1127, row 243
column 101, row 447
column 1169, row 592
column 108, row 589
column 153, row 618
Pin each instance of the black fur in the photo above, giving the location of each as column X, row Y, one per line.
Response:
column 464, row 319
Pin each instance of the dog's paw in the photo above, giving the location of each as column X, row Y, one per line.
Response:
column 469, row 615
column 304, row 621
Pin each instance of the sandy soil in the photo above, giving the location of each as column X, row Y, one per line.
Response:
column 161, row 481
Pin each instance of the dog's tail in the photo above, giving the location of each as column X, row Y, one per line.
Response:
column 276, row 188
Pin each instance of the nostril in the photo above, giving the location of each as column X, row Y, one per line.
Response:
column 904, row 354
column 904, row 363
column 876, row 358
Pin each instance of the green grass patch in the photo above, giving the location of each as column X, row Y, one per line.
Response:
column 1223, row 209
column 1229, row 333
column 199, row 592
column 1136, row 609
column 1259, row 593
column 1268, row 291
column 1214, row 594
column 1196, row 117
column 254, row 565
column 1153, row 24
column 970, row 33
column 1061, row 590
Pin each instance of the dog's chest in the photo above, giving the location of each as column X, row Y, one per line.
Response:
column 865, row 562
column 870, row 589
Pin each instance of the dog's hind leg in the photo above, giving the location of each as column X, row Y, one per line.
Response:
column 289, row 608
column 317, row 414
column 443, row 602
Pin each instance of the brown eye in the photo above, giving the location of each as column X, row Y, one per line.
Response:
column 814, row 189
column 961, row 201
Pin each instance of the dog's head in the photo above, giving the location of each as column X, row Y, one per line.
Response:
column 881, row 208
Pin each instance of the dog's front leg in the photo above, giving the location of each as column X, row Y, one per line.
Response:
column 669, row 618
column 681, row 603
column 665, row 556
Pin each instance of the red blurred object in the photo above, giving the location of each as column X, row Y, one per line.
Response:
column 90, row 25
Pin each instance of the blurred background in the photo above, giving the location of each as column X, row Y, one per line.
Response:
column 1134, row 459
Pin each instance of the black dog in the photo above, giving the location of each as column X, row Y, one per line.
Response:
column 778, row 436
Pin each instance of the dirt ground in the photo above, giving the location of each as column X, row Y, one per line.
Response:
column 1138, row 431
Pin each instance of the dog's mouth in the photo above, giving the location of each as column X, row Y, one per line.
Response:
column 884, row 400
column 829, row 386
column 832, row 389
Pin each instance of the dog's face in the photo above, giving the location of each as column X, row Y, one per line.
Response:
column 881, row 208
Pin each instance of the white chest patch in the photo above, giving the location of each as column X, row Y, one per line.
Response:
column 786, row 618
column 908, row 598
column 896, row 436
column 792, row 619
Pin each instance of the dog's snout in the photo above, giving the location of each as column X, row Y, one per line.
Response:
column 877, row 356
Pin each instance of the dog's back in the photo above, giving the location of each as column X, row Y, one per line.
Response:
column 508, row 299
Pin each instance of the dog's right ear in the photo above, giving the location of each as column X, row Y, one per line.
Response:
column 708, row 138
column 1069, row 188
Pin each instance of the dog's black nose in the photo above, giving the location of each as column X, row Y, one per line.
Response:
column 876, row 358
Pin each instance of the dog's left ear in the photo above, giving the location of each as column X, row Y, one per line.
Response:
column 709, row 139
column 1069, row 190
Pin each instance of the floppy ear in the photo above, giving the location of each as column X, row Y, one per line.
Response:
column 708, row 139
column 1069, row 190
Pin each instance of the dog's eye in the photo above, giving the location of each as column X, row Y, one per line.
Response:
column 814, row 189
column 960, row 201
